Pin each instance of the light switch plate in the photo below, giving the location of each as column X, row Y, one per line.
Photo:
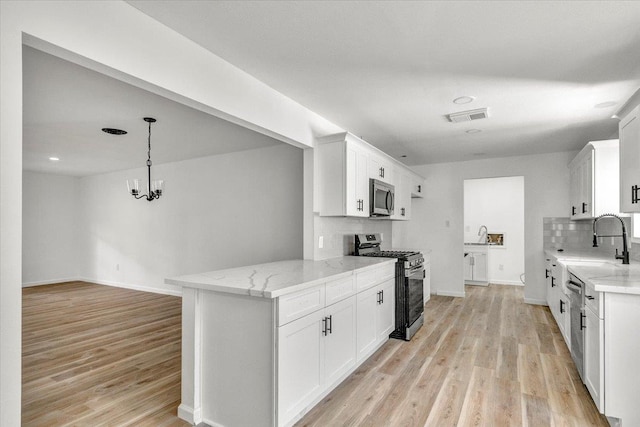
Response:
column 321, row 242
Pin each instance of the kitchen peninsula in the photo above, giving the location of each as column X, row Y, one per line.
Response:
column 262, row 344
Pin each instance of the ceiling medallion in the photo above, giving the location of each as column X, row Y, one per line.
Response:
column 113, row 131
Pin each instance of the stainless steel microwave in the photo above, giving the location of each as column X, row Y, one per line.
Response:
column 381, row 198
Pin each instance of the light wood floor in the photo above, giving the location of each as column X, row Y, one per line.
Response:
column 98, row 355
column 485, row 360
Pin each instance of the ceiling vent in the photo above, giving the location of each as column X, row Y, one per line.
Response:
column 467, row 116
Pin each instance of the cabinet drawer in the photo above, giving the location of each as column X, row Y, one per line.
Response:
column 340, row 289
column 368, row 278
column 296, row 305
column 592, row 300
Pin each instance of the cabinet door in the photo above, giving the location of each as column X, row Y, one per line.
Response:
column 300, row 364
column 386, row 310
column 468, row 266
column 586, row 186
column 574, row 190
column 630, row 162
column 480, row 269
column 592, row 357
column 357, row 182
column 381, row 170
column 340, row 340
column 366, row 335
column 547, row 276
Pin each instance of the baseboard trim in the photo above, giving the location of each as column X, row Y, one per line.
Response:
column 50, row 282
column 506, row 282
column 190, row 415
column 450, row 294
column 535, row 301
column 135, row 287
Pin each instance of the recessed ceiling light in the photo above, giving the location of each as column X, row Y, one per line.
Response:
column 113, row 131
column 404, row 155
column 473, row 131
column 54, row 159
column 605, row 104
column 464, row 100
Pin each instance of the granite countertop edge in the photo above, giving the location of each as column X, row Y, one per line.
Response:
column 275, row 279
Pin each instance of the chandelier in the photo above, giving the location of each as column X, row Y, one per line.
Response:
column 154, row 188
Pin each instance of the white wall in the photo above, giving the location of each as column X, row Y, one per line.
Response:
column 498, row 203
column 49, row 228
column 438, row 220
column 118, row 40
column 217, row 212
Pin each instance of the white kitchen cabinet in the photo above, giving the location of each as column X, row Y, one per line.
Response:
column 558, row 302
column 629, row 132
column 381, row 169
column 300, row 363
column 376, row 317
column 594, row 180
column 593, row 356
column 340, row 339
column 314, row 352
column 402, row 205
column 476, row 265
column 345, row 164
column 343, row 177
column 417, row 186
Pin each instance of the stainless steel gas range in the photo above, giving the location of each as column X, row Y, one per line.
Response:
column 409, row 281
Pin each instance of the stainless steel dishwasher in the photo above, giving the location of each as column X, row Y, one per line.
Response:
column 576, row 302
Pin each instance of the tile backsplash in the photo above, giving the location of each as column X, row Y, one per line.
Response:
column 578, row 235
column 338, row 234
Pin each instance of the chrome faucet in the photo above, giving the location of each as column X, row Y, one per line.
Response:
column 625, row 250
column 486, row 235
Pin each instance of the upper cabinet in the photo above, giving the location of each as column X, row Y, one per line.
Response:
column 402, row 208
column 345, row 166
column 594, row 180
column 343, row 178
column 630, row 162
column 381, row 169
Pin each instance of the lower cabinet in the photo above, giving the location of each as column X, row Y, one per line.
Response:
column 594, row 345
column 317, row 350
column 314, row 352
column 376, row 317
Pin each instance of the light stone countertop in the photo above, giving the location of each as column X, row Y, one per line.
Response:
column 275, row 279
column 604, row 273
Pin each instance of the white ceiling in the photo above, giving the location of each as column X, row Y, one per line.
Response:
column 388, row 71
column 66, row 106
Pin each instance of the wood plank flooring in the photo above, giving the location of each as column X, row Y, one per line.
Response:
column 98, row 355
column 485, row 360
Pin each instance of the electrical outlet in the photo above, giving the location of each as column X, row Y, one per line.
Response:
column 321, row 242
column 467, row 228
column 381, row 237
column 117, row 267
column 501, row 267
column 447, row 224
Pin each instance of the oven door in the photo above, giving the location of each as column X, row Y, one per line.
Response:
column 414, row 283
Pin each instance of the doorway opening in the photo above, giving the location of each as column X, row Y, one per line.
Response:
column 494, row 231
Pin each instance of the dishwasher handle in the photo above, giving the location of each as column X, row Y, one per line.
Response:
column 574, row 287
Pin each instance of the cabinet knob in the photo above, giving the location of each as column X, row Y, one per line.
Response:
column 582, row 325
column 584, row 207
column 573, row 210
column 634, row 194
column 561, row 306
